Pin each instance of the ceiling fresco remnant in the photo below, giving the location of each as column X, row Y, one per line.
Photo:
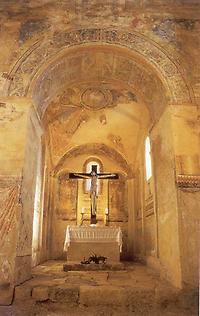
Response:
column 30, row 27
column 9, row 113
column 138, row 81
column 88, row 96
column 38, row 23
column 135, row 42
column 85, row 78
column 76, row 73
column 95, row 98
column 97, row 79
column 117, row 141
column 58, row 111
column 81, row 109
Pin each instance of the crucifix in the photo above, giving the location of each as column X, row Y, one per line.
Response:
column 94, row 176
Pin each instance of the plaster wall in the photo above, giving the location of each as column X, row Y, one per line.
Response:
column 186, row 139
column 13, row 127
column 167, row 208
column 145, row 206
column 75, row 164
column 149, row 235
column 24, row 244
column 189, row 206
column 139, row 250
column 187, row 150
column 44, row 250
column 10, row 209
column 131, row 217
column 70, row 204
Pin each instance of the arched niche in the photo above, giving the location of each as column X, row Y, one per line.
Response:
column 95, row 150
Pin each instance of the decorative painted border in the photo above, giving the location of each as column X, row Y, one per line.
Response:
column 188, row 181
column 149, row 206
column 42, row 52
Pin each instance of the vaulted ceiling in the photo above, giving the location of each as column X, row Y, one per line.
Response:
column 97, row 95
column 98, row 91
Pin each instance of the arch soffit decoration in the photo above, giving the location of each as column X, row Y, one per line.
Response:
column 98, row 67
column 35, row 57
column 95, row 150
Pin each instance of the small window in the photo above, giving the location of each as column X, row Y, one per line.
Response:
column 88, row 170
column 148, row 158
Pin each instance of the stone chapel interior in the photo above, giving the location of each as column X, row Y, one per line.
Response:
column 118, row 91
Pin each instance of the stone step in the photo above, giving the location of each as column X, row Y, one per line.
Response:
column 103, row 289
column 55, row 293
column 117, row 296
column 91, row 290
column 135, row 289
column 141, row 300
column 93, row 266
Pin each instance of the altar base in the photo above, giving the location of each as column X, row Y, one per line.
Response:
column 84, row 241
column 78, row 251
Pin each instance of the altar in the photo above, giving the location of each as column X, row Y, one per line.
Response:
column 83, row 241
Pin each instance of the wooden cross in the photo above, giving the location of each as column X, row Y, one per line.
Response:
column 94, row 176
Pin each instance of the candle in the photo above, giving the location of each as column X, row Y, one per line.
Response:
column 106, row 211
column 82, row 210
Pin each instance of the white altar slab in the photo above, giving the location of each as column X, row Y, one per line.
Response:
column 82, row 241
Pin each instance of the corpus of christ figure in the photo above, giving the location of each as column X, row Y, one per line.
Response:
column 94, row 176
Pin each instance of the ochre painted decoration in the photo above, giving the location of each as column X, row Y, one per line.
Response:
column 117, row 201
column 188, row 181
column 9, row 202
column 35, row 57
column 67, row 199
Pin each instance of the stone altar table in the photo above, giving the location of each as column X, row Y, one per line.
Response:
column 82, row 241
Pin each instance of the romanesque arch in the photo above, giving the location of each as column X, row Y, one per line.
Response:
column 44, row 50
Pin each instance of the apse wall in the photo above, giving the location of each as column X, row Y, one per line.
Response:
column 69, row 197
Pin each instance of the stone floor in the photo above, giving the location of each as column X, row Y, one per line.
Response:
column 133, row 291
